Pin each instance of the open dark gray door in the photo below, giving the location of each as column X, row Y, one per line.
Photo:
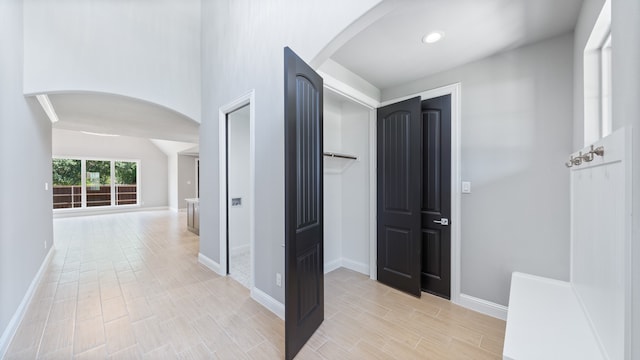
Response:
column 304, row 259
column 399, row 173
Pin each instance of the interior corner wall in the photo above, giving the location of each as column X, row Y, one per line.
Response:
column 186, row 179
column 516, row 132
column 25, row 156
column 586, row 20
column 147, row 50
column 355, row 188
column 332, row 192
column 625, row 33
column 242, row 50
column 172, row 181
column 153, row 162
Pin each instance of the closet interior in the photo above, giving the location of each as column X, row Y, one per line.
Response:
column 346, row 184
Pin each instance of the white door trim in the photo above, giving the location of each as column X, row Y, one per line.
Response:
column 244, row 100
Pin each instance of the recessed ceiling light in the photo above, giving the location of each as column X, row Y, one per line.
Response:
column 432, row 37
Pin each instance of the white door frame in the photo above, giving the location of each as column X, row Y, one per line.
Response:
column 244, row 100
column 372, row 104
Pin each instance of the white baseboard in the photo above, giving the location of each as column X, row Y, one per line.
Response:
column 238, row 250
column 346, row 263
column 214, row 266
column 483, row 306
column 16, row 319
column 268, row 302
column 332, row 265
column 355, row 266
column 66, row 213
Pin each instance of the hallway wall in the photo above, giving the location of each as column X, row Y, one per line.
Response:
column 148, row 50
column 516, row 122
column 25, row 157
column 250, row 56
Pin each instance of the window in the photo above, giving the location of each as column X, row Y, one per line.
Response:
column 597, row 79
column 67, row 183
column 605, row 92
column 126, row 183
column 98, row 183
column 80, row 183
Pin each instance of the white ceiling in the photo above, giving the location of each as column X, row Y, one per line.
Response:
column 121, row 115
column 390, row 52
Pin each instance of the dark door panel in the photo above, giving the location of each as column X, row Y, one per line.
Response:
column 304, row 276
column 436, row 196
column 398, row 195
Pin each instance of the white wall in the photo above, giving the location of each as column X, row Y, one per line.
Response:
column 516, row 122
column 172, row 182
column 626, row 112
column 153, row 162
column 239, row 184
column 249, row 55
column 186, row 179
column 356, row 188
column 25, row 157
column 332, row 192
column 346, row 186
column 148, row 50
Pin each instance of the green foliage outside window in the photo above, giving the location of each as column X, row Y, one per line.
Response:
column 67, row 172
column 126, row 172
column 97, row 169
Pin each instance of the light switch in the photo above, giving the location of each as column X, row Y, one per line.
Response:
column 466, row 187
column 46, row 186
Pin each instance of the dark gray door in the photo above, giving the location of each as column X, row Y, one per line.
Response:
column 399, row 170
column 436, row 196
column 304, row 277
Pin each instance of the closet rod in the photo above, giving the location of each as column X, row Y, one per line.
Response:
column 343, row 156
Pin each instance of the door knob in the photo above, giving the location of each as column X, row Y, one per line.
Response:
column 442, row 221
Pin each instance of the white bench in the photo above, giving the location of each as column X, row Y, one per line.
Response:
column 546, row 321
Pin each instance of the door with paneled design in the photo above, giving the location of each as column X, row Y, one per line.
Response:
column 304, row 259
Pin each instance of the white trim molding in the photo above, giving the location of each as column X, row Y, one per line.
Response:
column 483, row 306
column 242, row 101
column 267, row 301
column 332, row 265
column 209, row 263
column 18, row 316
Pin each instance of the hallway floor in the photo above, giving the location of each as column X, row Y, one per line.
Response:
column 128, row 286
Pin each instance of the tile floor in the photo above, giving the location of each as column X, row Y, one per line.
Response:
column 240, row 267
column 128, row 286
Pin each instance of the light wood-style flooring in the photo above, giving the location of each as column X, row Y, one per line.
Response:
column 129, row 286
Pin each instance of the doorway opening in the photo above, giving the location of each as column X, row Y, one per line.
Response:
column 347, row 183
column 237, row 184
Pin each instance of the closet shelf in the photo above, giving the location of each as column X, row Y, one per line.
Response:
column 337, row 162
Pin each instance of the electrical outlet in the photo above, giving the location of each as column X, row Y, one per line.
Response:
column 46, row 186
column 279, row 279
column 45, row 244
